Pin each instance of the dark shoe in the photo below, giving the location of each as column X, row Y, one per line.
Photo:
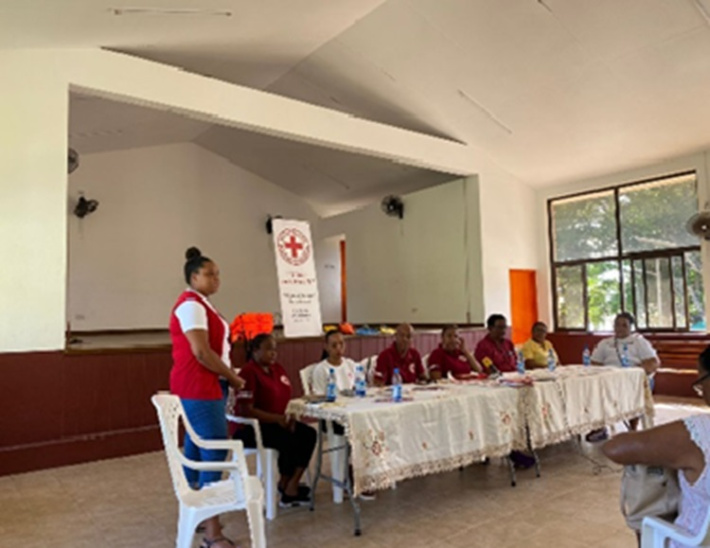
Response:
column 294, row 502
column 303, row 491
column 522, row 461
column 595, row 436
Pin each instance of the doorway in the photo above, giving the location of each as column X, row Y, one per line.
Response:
column 523, row 303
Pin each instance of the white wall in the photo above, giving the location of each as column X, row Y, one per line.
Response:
column 508, row 229
column 699, row 162
column 126, row 259
column 33, row 145
column 33, row 109
column 413, row 269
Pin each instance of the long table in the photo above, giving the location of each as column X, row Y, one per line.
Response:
column 445, row 426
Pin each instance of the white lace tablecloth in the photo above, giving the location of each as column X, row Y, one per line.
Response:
column 459, row 424
column 579, row 399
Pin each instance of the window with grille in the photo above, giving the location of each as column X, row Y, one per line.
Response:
column 626, row 248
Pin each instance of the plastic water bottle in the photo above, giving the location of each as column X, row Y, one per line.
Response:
column 396, row 386
column 521, row 363
column 551, row 361
column 360, row 382
column 586, row 356
column 625, row 356
column 331, row 392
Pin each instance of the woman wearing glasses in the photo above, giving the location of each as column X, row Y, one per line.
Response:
column 682, row 445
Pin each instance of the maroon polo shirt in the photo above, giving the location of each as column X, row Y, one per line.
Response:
column 271, row 390
column 502, row 356
column 410, row 365
column 444, row 361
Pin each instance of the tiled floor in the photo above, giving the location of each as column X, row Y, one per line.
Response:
column 129, row 503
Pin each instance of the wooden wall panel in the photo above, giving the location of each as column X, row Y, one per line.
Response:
column 678, row 353
column 61, row 408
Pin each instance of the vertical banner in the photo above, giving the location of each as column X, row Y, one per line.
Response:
column 298, row 285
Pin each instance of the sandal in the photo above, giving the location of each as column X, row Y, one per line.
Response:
column 207, row 543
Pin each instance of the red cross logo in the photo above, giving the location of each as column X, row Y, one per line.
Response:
column 293, row 246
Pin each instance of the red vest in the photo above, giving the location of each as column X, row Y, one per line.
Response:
column 189, row 379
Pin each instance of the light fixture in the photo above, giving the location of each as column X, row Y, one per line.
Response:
column 170, row 11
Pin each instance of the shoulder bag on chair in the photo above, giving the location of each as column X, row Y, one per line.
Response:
column 649, row 491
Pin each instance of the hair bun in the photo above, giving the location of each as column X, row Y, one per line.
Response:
column 192, row 253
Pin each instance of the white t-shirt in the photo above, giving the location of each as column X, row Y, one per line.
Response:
column 192, row 315
column 638, row 348
column 344, row 375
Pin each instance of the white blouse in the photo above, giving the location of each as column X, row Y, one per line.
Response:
column 192, row 315
column 609, row 351
column 344, row 375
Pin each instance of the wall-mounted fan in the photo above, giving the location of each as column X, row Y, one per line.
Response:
column 73, row 160
column 84, row 207
column 393, row 206
column 699, row 225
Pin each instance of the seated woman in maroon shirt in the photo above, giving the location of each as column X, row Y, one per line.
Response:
column 269, row 390
column 494, row 349
column 452, row 356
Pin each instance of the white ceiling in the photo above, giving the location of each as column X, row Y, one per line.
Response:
column 552, row 90
column 260, row 41
column 332, row 181
column 99, row 125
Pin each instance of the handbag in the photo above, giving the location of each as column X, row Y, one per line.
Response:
column 649, row 491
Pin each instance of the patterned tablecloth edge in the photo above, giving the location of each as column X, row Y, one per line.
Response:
column 568, row 433
column 386, row 480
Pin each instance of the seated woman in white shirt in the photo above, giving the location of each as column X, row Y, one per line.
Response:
column 624, row 345
column 334, row 358
column 344, row 369
column 634, row 346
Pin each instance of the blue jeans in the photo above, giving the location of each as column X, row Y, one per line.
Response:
column 207, row 419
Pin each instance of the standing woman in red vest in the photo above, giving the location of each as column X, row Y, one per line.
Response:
column 200, row 338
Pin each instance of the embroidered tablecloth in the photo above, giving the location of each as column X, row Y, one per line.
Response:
column 441, row 429
column 575, row 400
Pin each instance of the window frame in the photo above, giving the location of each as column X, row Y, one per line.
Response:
column 619, row 258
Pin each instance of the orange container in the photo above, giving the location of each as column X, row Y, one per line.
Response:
column 250, row 324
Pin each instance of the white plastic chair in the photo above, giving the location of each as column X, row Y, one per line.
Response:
column 239, row 492
column 338, row 458
column 425, row 363
column 655, row 533
column 370, row 364
column 267, row 468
